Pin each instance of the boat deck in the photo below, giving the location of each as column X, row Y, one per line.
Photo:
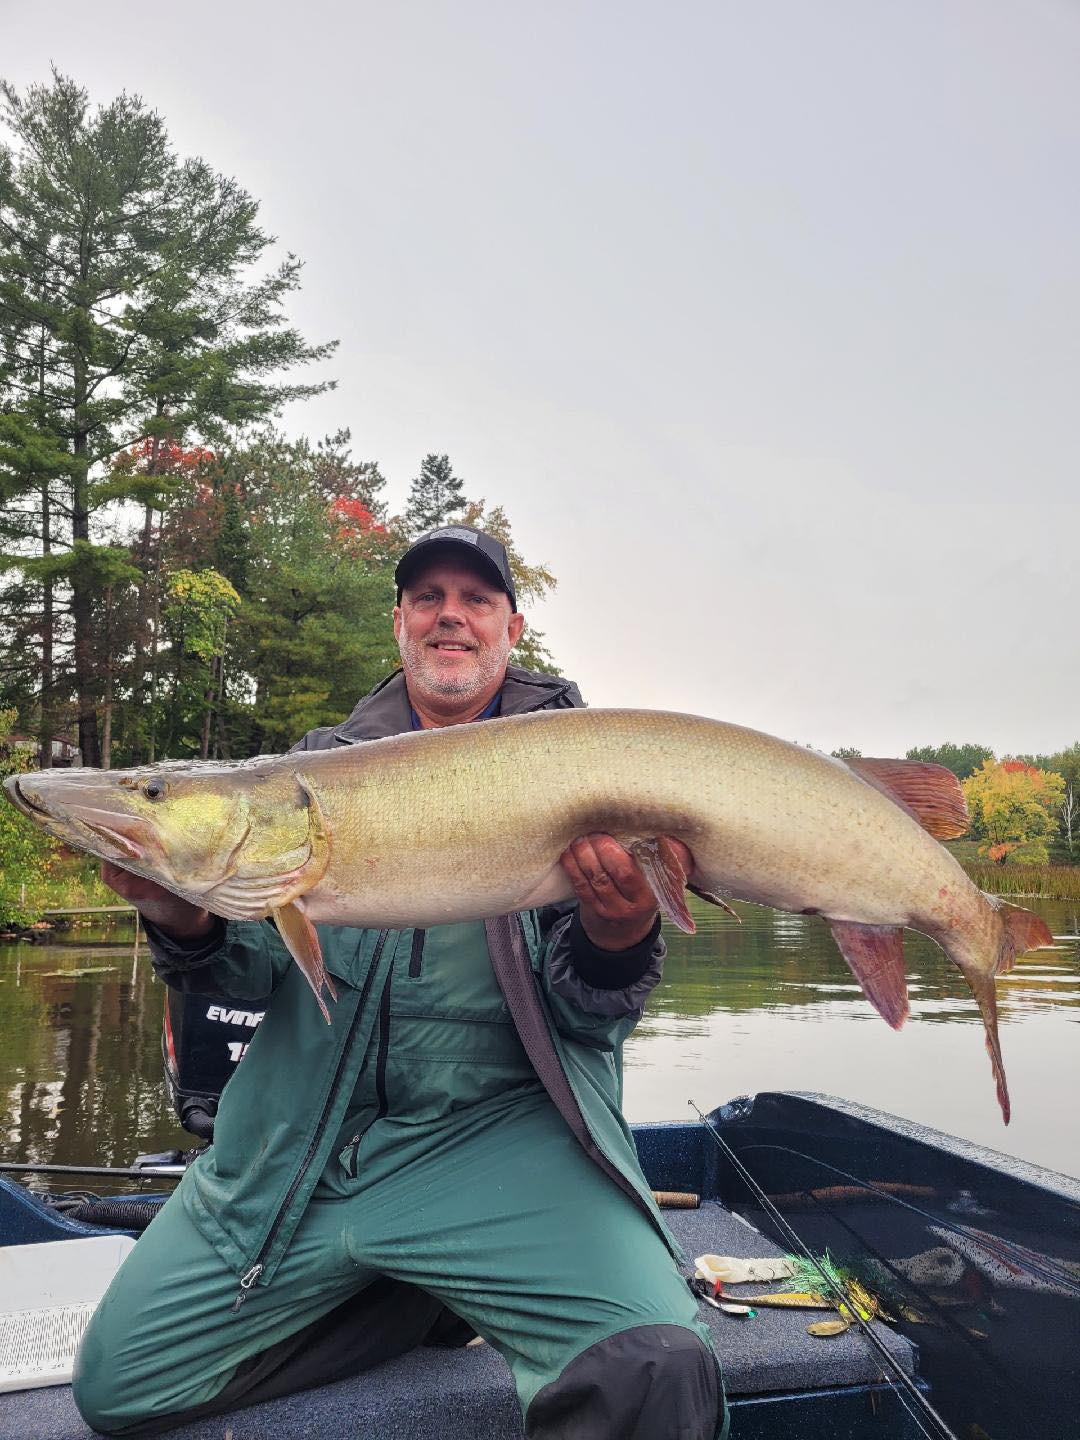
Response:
column 773, row 1371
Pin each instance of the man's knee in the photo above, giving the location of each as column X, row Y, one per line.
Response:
column 94, row 1392
column 652, row 1382
column 108, row 1402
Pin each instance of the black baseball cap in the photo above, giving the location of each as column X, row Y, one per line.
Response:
column 488, row 553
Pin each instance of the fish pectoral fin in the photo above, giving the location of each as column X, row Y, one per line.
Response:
column 930, row 793
column 714, row 899
column 875, row 955
column 302, row 942
column 665, row 876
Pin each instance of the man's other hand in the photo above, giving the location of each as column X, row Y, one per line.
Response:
column 618, row 907
column 178, row 918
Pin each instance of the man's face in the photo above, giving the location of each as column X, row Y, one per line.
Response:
column 455, row 630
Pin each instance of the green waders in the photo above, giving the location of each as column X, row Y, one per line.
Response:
column 454, row 1174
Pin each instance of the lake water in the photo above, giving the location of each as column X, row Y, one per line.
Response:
column 767, row 1004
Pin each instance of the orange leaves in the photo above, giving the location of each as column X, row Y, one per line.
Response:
column 163, row 457
column 1013, row 808
column 354, row 521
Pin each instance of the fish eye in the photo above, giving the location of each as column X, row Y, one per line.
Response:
column 155, row 789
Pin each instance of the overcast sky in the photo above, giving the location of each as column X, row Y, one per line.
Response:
column 760, row 319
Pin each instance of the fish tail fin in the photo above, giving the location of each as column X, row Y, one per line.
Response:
column 985, row 992
column 1022, row 931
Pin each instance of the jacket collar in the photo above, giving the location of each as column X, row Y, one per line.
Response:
column 385, row 710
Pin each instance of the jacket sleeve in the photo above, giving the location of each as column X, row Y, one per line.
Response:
column 238, row 960
column 596, row 996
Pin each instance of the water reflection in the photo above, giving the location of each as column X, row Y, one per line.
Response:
column 762, row 1005
column 80, row 1056
column 770, row 1004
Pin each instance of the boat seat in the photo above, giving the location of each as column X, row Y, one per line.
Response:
column 467, row 1394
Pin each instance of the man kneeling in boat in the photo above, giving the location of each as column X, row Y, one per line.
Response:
column 451, row 1145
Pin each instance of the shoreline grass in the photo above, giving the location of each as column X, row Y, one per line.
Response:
column 1026, row 882
column 71, row 880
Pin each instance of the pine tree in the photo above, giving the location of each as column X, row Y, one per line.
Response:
column 435, row 497
column 127, row 314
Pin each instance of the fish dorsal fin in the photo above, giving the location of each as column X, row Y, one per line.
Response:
column 931, row 793
column 875, row 954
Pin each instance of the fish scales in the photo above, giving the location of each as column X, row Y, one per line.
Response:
column 469, row 821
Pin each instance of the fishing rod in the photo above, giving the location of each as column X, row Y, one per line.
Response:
column 900, row 1380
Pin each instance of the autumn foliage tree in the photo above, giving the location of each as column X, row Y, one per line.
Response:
column 1014, row 810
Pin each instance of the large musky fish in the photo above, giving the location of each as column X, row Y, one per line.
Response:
column 469, row 821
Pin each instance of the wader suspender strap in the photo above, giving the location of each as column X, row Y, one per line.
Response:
column 514, row 974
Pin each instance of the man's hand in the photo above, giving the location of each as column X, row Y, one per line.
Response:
column 618, row 907
column 178, row 918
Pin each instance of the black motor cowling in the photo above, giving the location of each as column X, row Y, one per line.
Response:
column 202, row 1042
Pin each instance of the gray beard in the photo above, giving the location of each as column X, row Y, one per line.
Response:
column 416, row 662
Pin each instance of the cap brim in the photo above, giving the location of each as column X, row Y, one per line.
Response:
column 423, row 551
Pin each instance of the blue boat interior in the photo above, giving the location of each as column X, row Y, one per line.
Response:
column 976, row 1257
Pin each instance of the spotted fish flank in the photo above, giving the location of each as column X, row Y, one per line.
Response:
column 468, row 822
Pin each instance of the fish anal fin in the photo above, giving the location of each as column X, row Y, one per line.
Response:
column 302, row 942
column 932, row 794
column 1023, row 932
column 875, row 955
column 658, row 860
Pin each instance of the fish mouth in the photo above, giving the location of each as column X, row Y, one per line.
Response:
column 131, row 837
column 22, row 802
column 119, row 838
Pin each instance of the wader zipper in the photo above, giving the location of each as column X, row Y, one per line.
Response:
column 383, row 1106
column 248, row 1279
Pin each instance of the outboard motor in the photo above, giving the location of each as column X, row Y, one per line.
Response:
column 202, row 1042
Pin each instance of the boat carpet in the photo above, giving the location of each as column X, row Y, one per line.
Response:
column 434, row 1394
